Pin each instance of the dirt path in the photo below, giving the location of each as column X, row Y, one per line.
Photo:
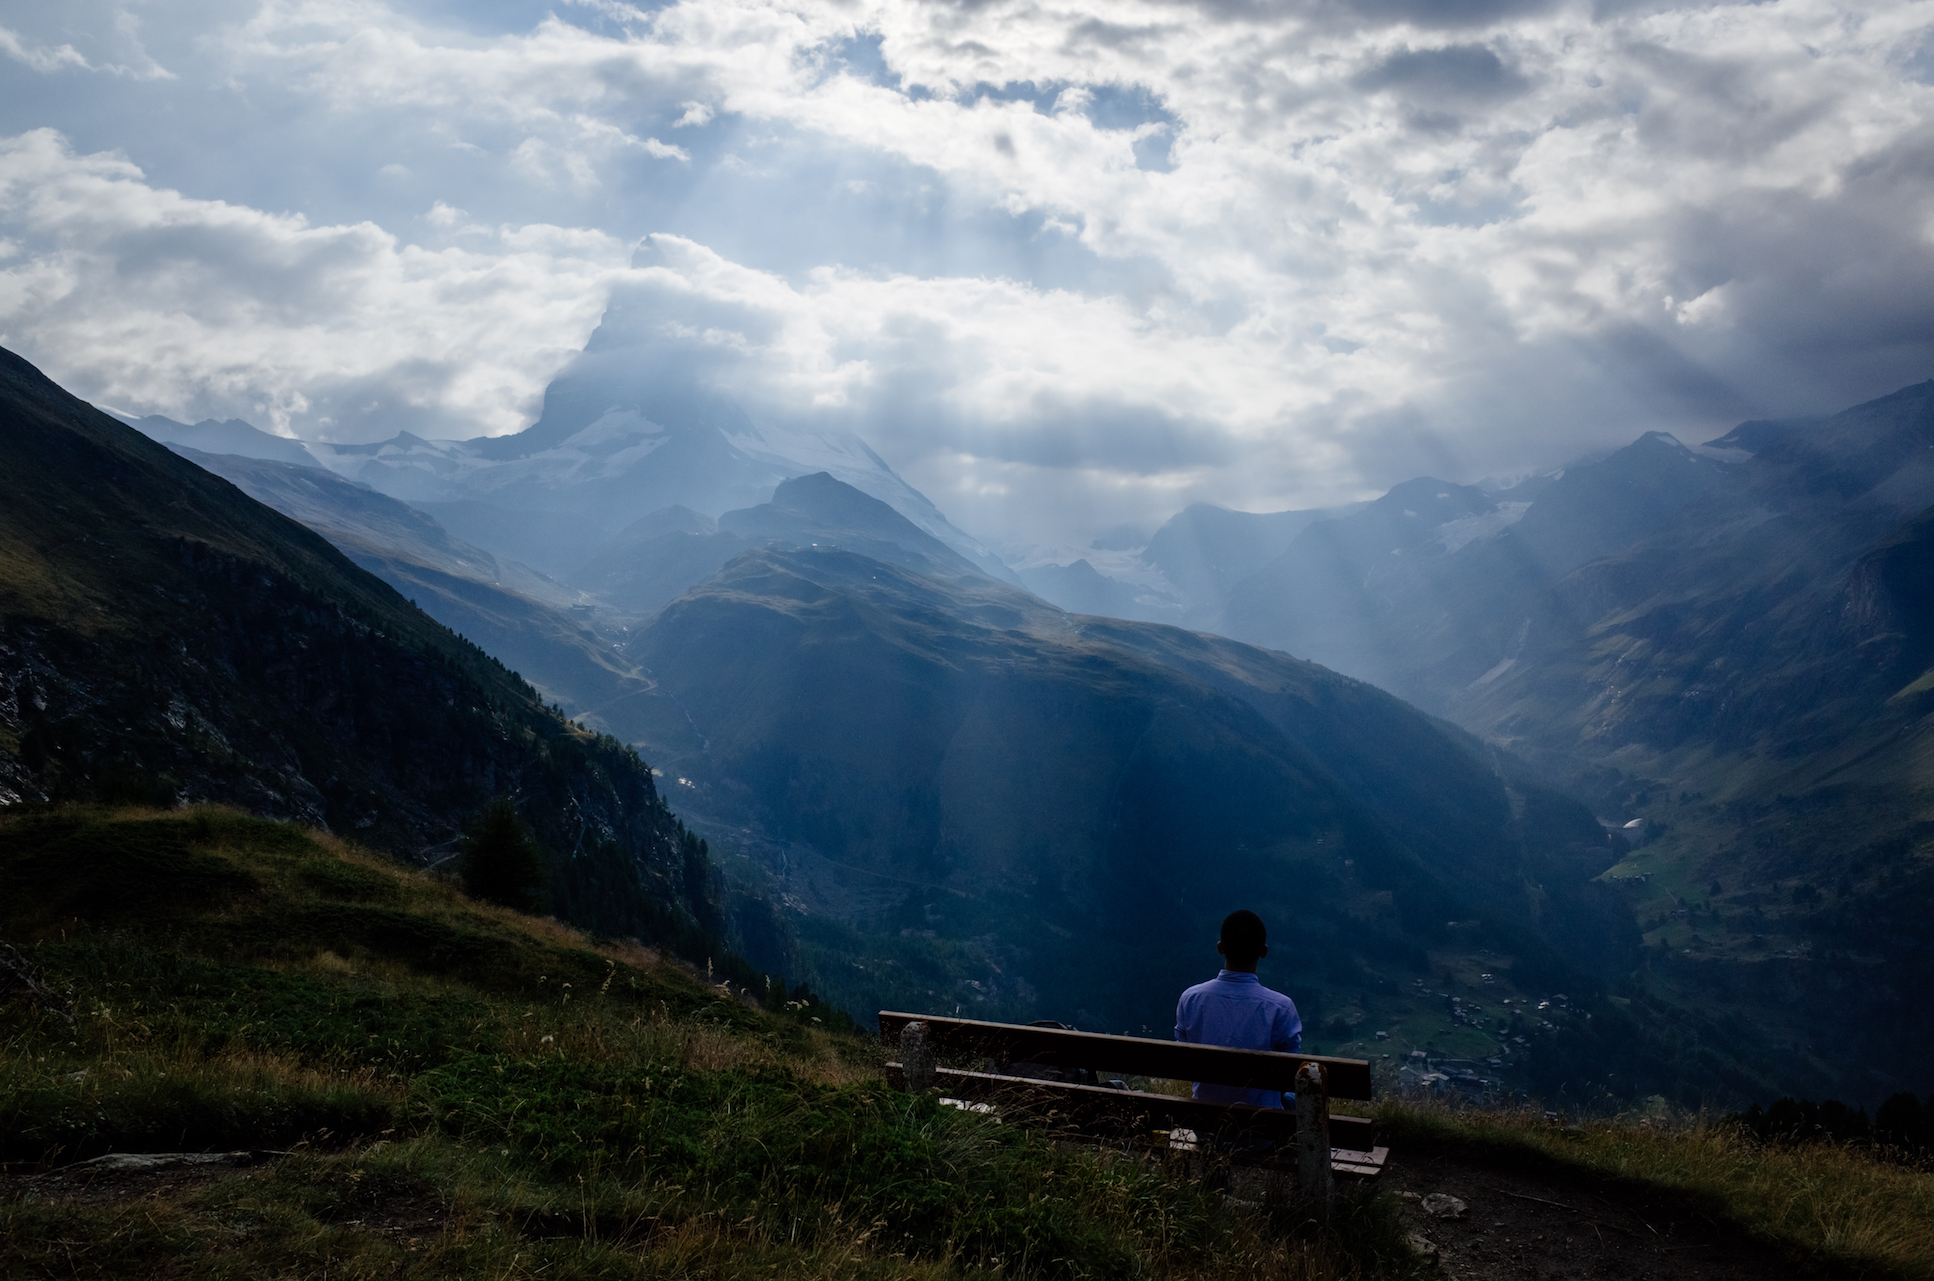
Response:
column 177, row 1177
column 83, row 1185
column 1535, row 1222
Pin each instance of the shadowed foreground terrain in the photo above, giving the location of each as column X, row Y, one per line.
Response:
column 417, row 1086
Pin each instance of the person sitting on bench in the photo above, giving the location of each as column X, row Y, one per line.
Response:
column 1235, row 1009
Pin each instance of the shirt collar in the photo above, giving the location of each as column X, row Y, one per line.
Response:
column 1237, row 976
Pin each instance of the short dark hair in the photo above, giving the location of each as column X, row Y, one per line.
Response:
column 1243, row 935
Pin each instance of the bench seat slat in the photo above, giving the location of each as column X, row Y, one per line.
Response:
column 1129, row 1055
column 1098, row 1109
column 1358, row 1165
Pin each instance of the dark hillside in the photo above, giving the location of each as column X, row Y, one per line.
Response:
column 163, row 637
column 515, row 614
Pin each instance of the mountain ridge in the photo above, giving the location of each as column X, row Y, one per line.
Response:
column 608, row 446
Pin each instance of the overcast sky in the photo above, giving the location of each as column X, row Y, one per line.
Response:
column 1063, row 265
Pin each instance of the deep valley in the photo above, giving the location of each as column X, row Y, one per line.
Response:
column 1663, row 842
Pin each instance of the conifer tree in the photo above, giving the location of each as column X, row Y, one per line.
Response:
column 502, row 863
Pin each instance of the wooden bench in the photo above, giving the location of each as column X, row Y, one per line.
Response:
column 1319, row 1146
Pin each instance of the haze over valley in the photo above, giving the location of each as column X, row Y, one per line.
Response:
column 925, row 784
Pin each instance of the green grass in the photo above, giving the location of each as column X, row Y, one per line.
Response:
column 464, row 1091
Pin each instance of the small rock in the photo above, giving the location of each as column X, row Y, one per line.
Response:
column 1413, row 1196
column 138, row 1162
column 1444, row 1206
column 1422, row 1245
column 142, row 1161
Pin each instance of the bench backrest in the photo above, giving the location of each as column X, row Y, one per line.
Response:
column 1130, row 1055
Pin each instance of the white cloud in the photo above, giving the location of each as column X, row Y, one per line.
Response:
column 115, row 34
column 1258, row 254
column 991, row 387
column 39, row 57
column 150, row 299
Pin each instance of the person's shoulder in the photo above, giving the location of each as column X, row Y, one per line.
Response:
column 1200, row 989
column 1274, row 997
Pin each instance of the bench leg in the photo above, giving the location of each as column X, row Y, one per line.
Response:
column 916, row 1059
column 1313, row 1137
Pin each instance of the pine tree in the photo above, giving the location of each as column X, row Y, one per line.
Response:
column 501, row 860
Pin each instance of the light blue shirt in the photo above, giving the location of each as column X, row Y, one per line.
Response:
column 1235, row 1009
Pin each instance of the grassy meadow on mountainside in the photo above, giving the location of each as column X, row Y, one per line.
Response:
column 518, row 1098
column 440, row 1088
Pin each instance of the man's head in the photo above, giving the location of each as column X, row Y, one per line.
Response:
column 1244, row 941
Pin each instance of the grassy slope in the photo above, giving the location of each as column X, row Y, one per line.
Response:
column 468, row 1092
column 549, row 1107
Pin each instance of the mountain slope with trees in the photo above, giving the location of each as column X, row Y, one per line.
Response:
column 517, row 615
column 165, row 638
